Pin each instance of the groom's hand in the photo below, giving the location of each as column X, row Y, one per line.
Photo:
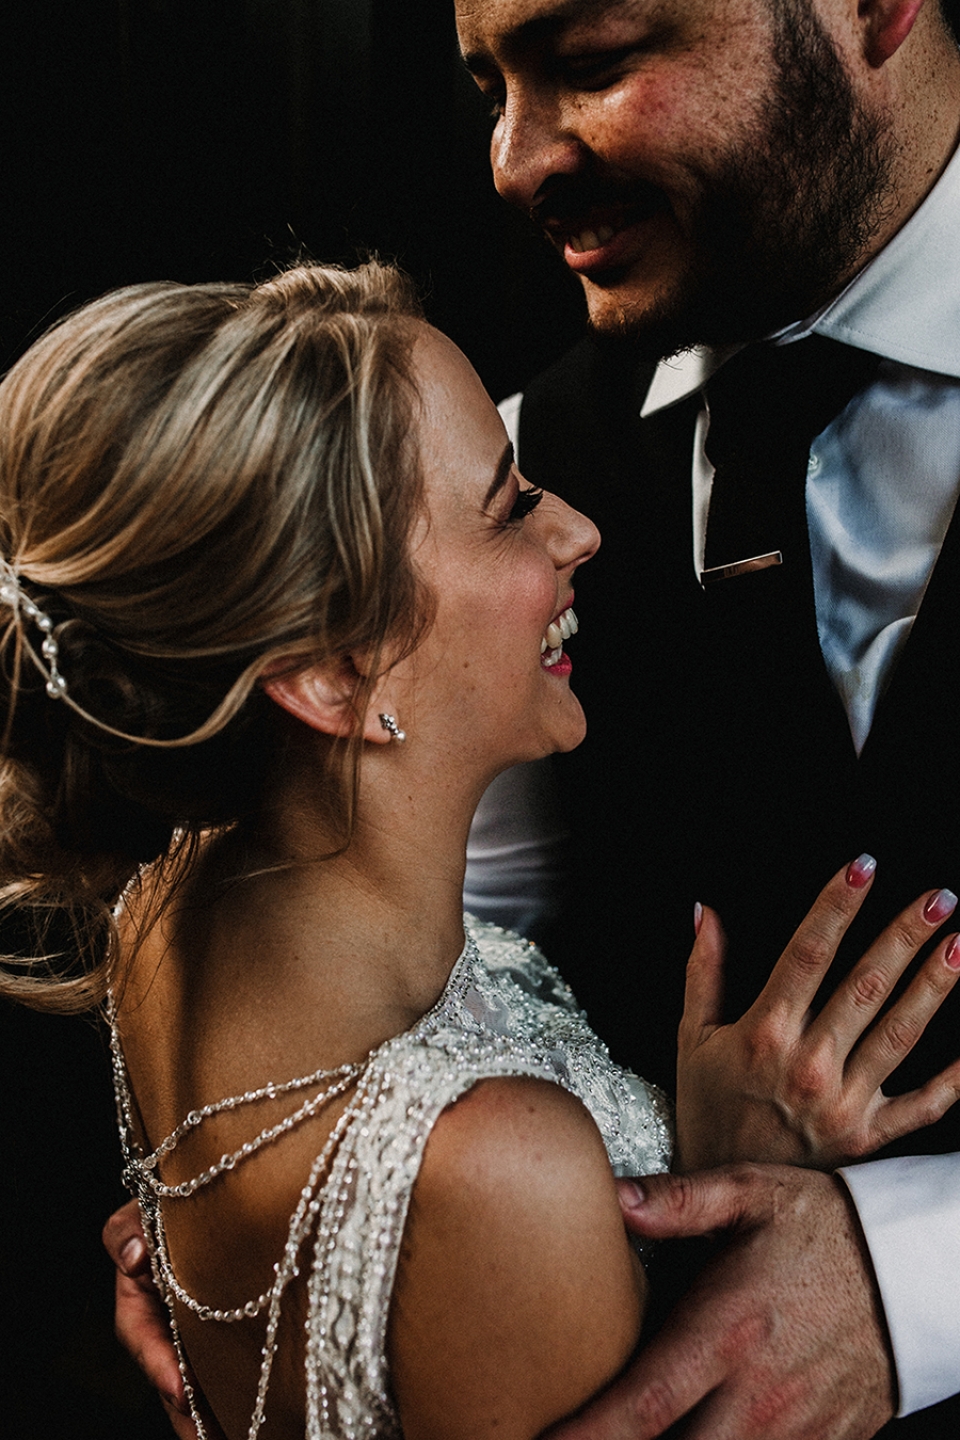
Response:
column 142, row 1324
column 781, row 1336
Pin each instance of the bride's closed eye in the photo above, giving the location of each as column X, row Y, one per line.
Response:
column 525, row 503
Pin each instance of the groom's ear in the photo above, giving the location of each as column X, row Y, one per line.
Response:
column 324, row 697
column 885, row 26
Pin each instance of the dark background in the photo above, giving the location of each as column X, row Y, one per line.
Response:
column 209, row 140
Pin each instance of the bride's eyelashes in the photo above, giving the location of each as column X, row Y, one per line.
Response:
column 525, row 503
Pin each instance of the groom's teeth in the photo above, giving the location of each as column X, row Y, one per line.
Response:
column 591, row 239
column 554, row 635
column 543, row 646
column 564, row 624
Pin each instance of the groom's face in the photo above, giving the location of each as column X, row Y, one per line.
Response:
column 704, row 166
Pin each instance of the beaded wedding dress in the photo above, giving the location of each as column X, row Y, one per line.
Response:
column 503, row 1011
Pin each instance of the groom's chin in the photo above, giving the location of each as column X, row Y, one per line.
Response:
column 639, row 327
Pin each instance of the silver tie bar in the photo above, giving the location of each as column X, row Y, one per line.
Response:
column 740, row 567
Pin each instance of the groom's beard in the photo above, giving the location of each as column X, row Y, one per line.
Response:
column 780, row 223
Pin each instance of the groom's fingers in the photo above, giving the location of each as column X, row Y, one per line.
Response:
column 674, row 1373
column 799, row 972
column 674, row 1207
column 649, row 1397
column 780, row 1337
column 774, row 1411
column 140, row 1319
column 144, row 1333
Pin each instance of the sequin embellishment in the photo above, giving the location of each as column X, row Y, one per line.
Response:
column 503, row 1011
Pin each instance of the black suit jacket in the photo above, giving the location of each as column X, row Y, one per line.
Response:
column 718, row 764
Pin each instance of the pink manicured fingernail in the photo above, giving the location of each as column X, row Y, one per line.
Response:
column 630, row 1194
column 697, row 917
column 132, row 1255
column 860, row 870
column 952, row 953
column 939, row 906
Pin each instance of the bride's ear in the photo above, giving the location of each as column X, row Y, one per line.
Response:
column 322, row 696
column 319, row 695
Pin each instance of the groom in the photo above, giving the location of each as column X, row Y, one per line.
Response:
column 715, row 172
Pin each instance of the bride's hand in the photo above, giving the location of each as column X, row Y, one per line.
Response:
column 785, row 1085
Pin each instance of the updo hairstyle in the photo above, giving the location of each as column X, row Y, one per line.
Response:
column 194, row 482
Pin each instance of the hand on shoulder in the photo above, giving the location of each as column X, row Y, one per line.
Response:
column 509, row 1311
column 780, row 1336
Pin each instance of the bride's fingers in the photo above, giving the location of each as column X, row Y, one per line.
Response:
column 903, row 1114
column 859, row 998
column 798, row 973
column 703, row 994
column 895, row 1033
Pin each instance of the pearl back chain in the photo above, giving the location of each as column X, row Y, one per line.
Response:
column 142, row 1177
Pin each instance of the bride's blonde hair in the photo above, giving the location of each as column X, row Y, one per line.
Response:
column 195, row 482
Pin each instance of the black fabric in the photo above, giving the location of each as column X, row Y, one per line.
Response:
column 766, row 406
column 760, row 629
column 63, row 1375
column 718, row 771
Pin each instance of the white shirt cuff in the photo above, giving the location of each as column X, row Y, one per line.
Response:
column 909, row 1209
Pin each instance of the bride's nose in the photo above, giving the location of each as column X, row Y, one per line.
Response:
column 574, row 538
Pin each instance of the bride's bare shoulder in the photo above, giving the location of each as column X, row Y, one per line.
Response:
column 517, row 1294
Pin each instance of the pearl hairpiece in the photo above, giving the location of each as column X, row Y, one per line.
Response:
column 13, row 594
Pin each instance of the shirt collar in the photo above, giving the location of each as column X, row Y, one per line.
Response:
column 903, row 305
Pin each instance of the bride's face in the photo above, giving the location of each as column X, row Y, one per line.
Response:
column 500, row 563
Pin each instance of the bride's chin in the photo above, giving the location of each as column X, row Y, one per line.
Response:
column 572, row 734
column 571, row 744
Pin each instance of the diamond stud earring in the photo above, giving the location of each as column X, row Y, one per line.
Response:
column 390, row 724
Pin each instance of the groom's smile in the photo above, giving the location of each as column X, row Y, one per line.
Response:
column 704, row 166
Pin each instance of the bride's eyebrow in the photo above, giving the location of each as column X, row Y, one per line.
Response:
column 504, row 466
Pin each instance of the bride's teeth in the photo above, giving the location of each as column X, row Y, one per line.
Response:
column 605, row 233
column 588, row 240
column 551, row 644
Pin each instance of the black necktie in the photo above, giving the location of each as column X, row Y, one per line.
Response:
column 766, row 406
column 765, row 676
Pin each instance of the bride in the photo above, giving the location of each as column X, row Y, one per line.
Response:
column 278, row 607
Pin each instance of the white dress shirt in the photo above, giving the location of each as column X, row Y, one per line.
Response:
column 882, row 483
